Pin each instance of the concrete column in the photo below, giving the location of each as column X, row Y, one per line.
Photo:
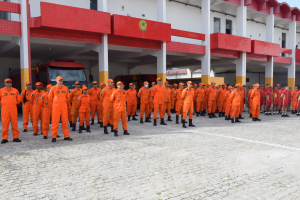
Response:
column 162, row 54
column 103, row 48
column 270, row 38
column 241, row 20
column 25, row 55
column 205, row 24
column 292, row 45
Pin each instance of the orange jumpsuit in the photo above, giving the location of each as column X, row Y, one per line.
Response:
column 37, row 109
column 158, row 94
column 200, row 93
column 255, row 95
column 241, row 91
column 27, row 107
column 167, row 100
column 9, row 113
column 195, row 98
column 276, row 95
column 173, row 99
column 131, row 101
column 235, row 99
column 95, row 94
column 212, row 98
column 46, row 105
column 221, row 99
column 188, row 101
column 250, row 100
column 60, row 98
column 206, row 99
column 75, row 93
column 144, row 94
column 228, row 103
column 179, row 101
column 100, row 108
column 294, row 100
column 151, row 104
column 119, row 98
column 107, row 105
column 84, row 104
column 69, row 112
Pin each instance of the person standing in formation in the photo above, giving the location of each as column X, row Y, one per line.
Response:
column 276, row 100
column 268, row 100
column 221, row 100
column 27, row 106
column 173, row 98
column 131, row 102
column 167, row 100
column 235, row 100
column 35, row 100
column 144, row 95
column 294, row 100
column 108, row 112
column 151, row 104
column 95, row 96
column 255, row 96
column 285, row 101
column 200, row 96
column 100, row 106
column 158, row 97
column 84, row 105
column 188, row 107
column 212, row 100
column 46, row 106
column 75, row 93
column 179, row 102
column 228, row 103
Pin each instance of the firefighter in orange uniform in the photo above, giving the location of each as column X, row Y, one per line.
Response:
column 46, row 105
column 195, row 97
column 119, row 98
column 84, row 104
column 173, row 98
column 206, row 98
column 144, row 95
column 9, row 98
column 108, row 112
column 188, row 101
column 151, row 104
column 228, row 103
column 235, row 99
column 59, row 97
column 268, row 99
column 179, row 102
column 255, row 96
column 221, row 100
column 158, row 97
column 241, row 91
column 95, row 95
column 131, row 102
column 294, row 100
column 285, row 101
column 27, row 106
column 200, row 95
column 212, row 100
column 250, row 100
column 167, row 100
column 276, row 101
column 36, row 108
column 100, row 106
column 70, row 114
column 75, row 93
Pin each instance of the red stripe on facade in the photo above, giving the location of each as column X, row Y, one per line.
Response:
column 133, row 42
column 298, row 54
column 186, row 48
column 288, row 51
column 285, row 60
column 10, row 27
column 225, row 53
column 230, row 42
column 265, row 48
column 10, row 7
column 257, row 57
column 187, row 34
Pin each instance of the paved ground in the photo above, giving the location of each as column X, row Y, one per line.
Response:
column 215, row 160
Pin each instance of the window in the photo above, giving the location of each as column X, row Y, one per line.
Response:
column 5, row 15
column 68, row 74
column 93, row 5
column 283, row 42
column 228, row 26
column 217, row 25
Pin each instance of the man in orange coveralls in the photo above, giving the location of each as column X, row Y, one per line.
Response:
column 158, row 96
column 100, row 106
column 250, row 100
column 167, row 100
column 70, row 114
column 46, row 106
column 294, row 100
column 212, row 100
column 200, row 95
column 119, row 98
column 9, row 98
column 151, row 104
column 268, row 100
column 221, row 100
column 276, row 101
column 95, row 95
column 36, row 108
column 131, row 102
column 188, row 104
column 144, row 95
column 108, row 111
column 59, row 97
column 179, row 102
column 27, row 106
column 228, row 103
column 255, row 96
column 242, row 93
column 75, row 93
column 173, row 98
column 285, row 101
column 235, row 99
column 84, row 104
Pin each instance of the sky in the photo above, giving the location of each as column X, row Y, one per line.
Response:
column 292, row 3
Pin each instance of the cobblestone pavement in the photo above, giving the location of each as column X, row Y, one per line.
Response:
column 215, row 160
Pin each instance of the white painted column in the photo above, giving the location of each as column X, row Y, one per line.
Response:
column 205, row 24
column 162, row 54
column 292, row 45
column 103, row 48
column 25, row 58
column 270, row 38
column 241, row 20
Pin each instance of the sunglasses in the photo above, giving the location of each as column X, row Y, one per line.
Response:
column 95, row 84
column 9, row 82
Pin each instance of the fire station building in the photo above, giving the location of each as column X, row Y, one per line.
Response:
column 244, row 41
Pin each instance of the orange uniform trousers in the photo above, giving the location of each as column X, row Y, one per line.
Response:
column 75, row 114
column 179, row 107
column 144, row 107
column 131, row 109
column 173, row 103
column 200, row 106
column 250, row 106
column 60, row 112
column 187, row 108
column 47, row 112
column 9, row 114
column 94, row 109
column 108, row 113
column 27, row 109
column 241, row 107
column 212, row 105
column 161, row 111
column 100, row 113
column 167, row 107
column 235, row 111
column 228, row 109
column 69, row 112
column 294, row 105
column 83, row 115
column 151, row 107
column 195, row 104
column 37, row 114
column 255, row 110
column 221, row 106
column 120, row 115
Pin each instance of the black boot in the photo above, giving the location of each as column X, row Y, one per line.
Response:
column 226, row 118
column 203, row 113
column 70, row 122
column 198, row 114
column 257, row 119
column 112, row 129
column 83, row 128
column 177, row 119
column 128, row 118
column 232, row 120
column 108, row 124
column 74, row 127
column 147, row 119
column 115, row 133
column 191, row 123
column 92, row 122
column 220, row 114
column 45, row 137
column 101, row 124
column 17, row 140
column 80, row 129
column 223, row 114
column 240, row 117
column 25, row 130
column 253, row 119
column 183, row 124
column 150, row 116
column 98, row 121
column 53, row 139
column 169, row 119
column 250, row 115
column 134, row 119
column 135, row 115
column 141, row 120
column 217, row 110
column 162, row 122
column 237, row 120
column 88, row 129
column 126, row 132
column 213, row 115
column 105, row 130
column 229, row 117
column 154, row 123
column 209, row 115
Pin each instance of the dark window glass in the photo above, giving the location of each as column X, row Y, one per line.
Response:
column 228, row 26
column 283, row 43
column 217, row 25
column 94, row 5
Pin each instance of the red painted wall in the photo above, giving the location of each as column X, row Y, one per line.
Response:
column 230, row 42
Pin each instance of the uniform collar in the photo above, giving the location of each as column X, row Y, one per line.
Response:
column 8, row 89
